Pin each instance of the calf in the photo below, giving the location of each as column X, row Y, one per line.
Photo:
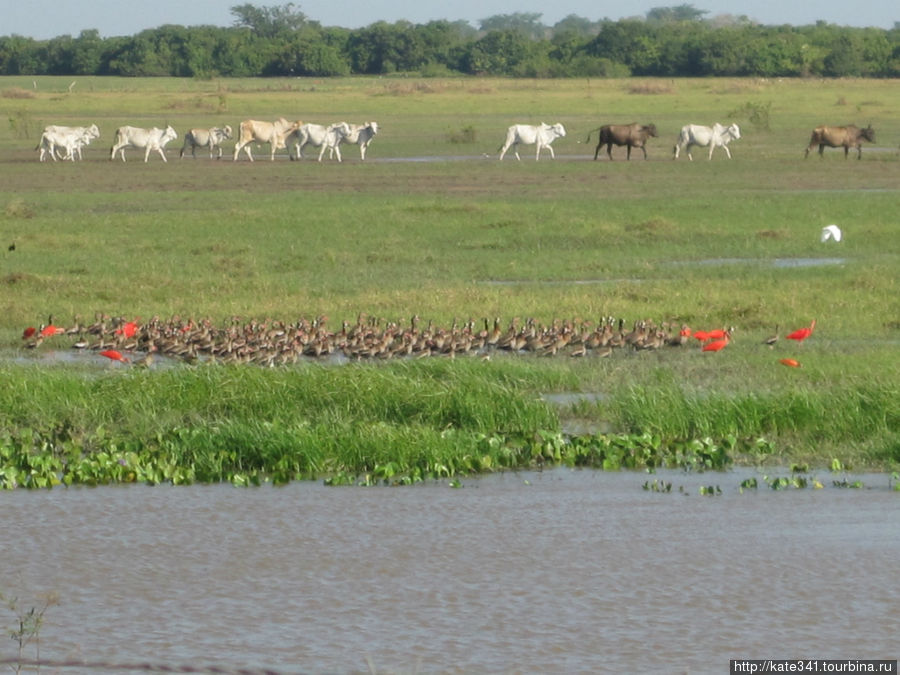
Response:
column 206, row 138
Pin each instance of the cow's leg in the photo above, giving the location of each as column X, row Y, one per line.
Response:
column 859, row 151
column 503, row 150
column 162, row 153
column 644, row 148
column 727, row 151
column 597, row 151
column 337, row 152
column 321, row 151
column 362, row 151
column 147, row 153
column 609, row 151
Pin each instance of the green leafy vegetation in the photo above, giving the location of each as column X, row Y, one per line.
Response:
column 709, row 244
column 283, row 41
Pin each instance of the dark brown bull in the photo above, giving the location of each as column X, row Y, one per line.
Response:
column 836, row 137
column 631, row 135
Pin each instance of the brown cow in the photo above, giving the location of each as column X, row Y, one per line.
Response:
column 632, row 135
column 835, row 137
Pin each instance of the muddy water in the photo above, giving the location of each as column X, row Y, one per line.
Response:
column 560, row 572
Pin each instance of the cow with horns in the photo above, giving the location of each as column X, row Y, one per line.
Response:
column 630, row 135
column 836, row 137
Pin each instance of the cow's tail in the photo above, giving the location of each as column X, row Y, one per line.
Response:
column 586, row 140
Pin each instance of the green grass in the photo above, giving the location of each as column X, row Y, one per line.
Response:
column 682, row 242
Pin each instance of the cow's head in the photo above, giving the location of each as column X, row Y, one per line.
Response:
column 734, row 130
column 651, row 130
column 93, row 131
column 226, row 131
column 340, row 128
column 559, row 129
column 373, row 126
column 868, row 133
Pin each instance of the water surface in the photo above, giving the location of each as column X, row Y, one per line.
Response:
column 556, row 572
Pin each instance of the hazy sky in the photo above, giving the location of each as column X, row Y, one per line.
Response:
column 43, row 19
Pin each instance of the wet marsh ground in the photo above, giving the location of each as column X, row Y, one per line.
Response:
column 433, row 226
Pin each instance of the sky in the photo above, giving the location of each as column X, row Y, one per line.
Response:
column 42, row 19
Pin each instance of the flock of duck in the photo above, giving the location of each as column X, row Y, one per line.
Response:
column 271, row 343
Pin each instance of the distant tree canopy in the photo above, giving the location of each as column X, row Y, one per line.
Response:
column 677, row 41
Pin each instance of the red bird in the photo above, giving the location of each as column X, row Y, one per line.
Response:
column 793, row 363
column 28, row 332
column 803, row 333
column 49, row 331
column 717, row 345
column 701, row 335
column 114, row 355
column 716, row 334
column 128, row 330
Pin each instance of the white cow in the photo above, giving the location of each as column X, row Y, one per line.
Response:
column 71, row 139
column 147, row 139
column 714, row 136
column 273, row 133
column 206, row 138
column 543, row 135
column 325, row 138
column 362, row 135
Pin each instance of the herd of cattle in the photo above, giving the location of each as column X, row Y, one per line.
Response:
column 66, row 143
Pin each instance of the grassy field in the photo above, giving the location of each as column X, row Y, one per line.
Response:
column 432, row 224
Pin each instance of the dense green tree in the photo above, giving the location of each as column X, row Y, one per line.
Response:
column 679, row 13
column 526, row 23
column 269, row 22
column 280, row 40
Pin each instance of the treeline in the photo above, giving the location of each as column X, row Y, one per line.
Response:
column 280, row 41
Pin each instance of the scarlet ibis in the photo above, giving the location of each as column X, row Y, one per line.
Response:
column 801, row 334
column 114, row 355
column 717, row 345
column 128, row 329
column 701, row 335
column 28, row 332
column 793, row 363
column 716, row 334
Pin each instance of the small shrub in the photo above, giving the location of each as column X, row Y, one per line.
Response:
column 755, row 113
